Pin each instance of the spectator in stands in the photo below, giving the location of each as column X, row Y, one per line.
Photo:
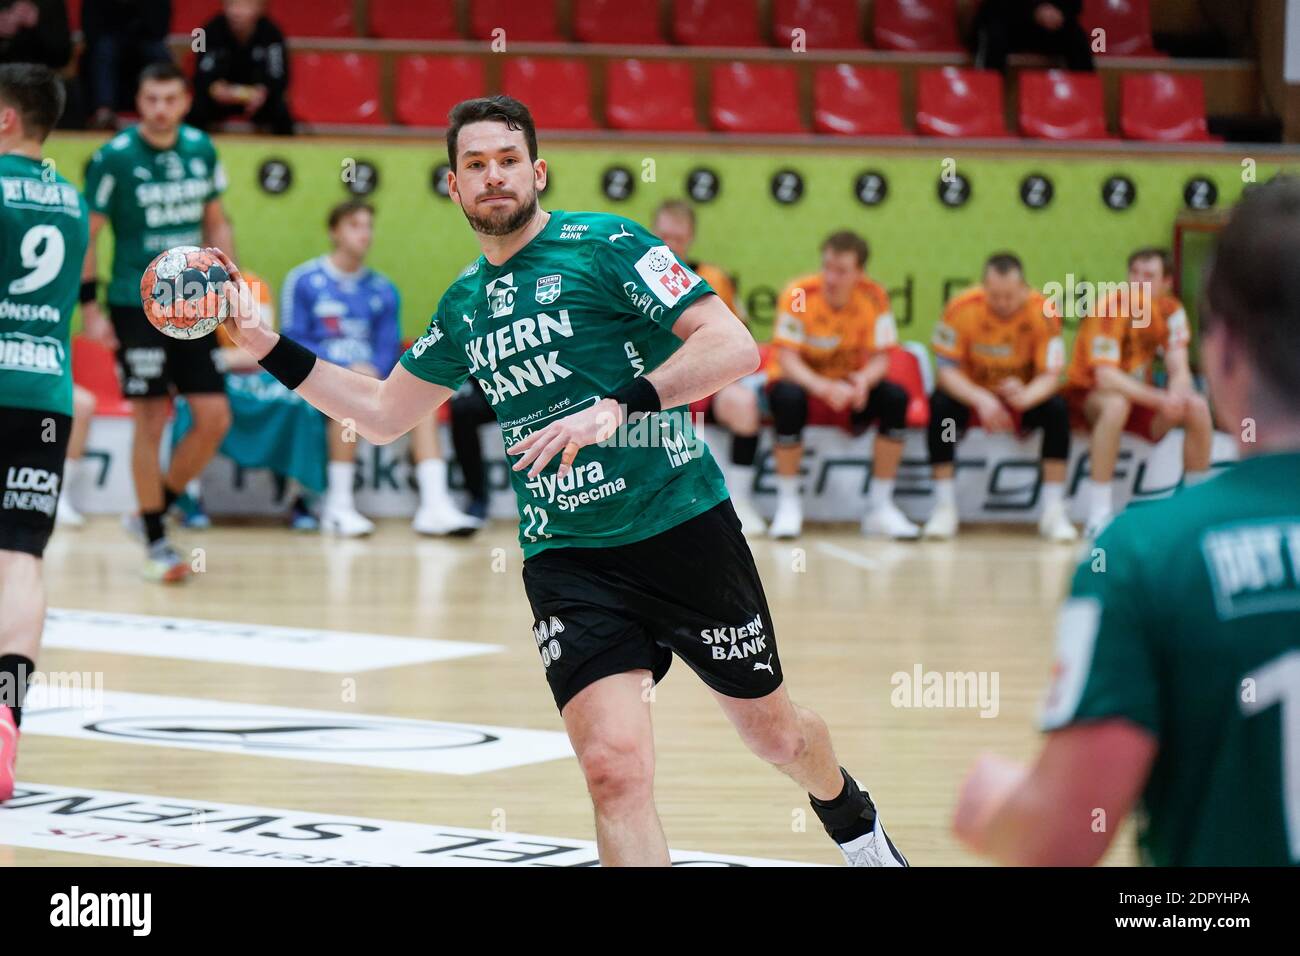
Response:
column 35, row 31
column 999, row 353
column 348, row 314
column 244, row 70
column 833, row 332
column 122, row 37
column 736, row 406
column 1049, row 27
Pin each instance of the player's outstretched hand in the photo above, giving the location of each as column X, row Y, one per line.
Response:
column 565, row 437
column 988, row 785
column 244, row 316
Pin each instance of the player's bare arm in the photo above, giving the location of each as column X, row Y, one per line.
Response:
column 1066, row 810
column 93, row 321
column 382, row 409
column 1039, row 389
column 833, row 393
column 958, row 384
column 1140, row 393
column 716, row 350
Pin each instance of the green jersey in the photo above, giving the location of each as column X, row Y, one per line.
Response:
column 154, row 199
column 580, row 311
column 1186, row 621
column 44, row 231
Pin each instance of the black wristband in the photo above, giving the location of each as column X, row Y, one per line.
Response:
column 637, row 395
column 289, row 362
column 89, row 291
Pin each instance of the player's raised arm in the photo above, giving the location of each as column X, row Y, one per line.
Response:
column 382, row 410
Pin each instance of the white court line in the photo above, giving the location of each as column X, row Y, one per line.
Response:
column 846, row 554
column 289, row 733
column 256, row 645
column 179, row 830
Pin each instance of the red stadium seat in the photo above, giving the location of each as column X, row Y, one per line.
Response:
column 336, row 88
column 857, row 101
column 189, row 14
column 429, row 86
column 917, row 26
column 1165, row 107
column 617, row 21
column 827, row 24
column 905, row 370
column 755, row 98
column 405, row 20
column 320, row 18
column 93, row 368
column 523, row 22
column 651, row 96
column 957, row 102
column 558, row 92
column 1058, row 104
column 716, row 23
column 1127, row 24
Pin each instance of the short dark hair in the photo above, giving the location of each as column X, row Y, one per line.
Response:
column 35, row 91
column 495, row 109
column 162, row 71
column 347, row 208
column 1003, row 263
column 848, row 241
column 1252, row 286
column 1154, row 252
column 677, row 207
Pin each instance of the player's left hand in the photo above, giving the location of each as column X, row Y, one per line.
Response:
column 565, row 437
column 988, row 785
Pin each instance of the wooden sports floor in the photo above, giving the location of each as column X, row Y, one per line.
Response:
column 850, row 613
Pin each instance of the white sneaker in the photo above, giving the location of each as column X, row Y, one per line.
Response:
column 788, row 520
column 1097, row 524
column 943, row 522
column 345, row 522
column 67, row 516
column 443, row 518
column 887, row 521
column 1054, row 525
column 752, row 524
column 874, row 848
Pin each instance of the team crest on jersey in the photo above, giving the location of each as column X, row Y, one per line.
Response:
column 501, row 295
column 667, row 278
column 1105, row 349
column 548, row 289
column 945, row 336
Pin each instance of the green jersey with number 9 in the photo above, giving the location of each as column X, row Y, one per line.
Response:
column 586, row 306
column 1185, row 620
column 44, row 231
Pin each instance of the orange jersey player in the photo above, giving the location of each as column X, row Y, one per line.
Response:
column 833, row 330
column 1110, row 388
column 999, row 354
column 736, row 407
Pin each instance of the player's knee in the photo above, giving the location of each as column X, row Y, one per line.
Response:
column 1198, row 414
column 213, row 421
column 736, row 408
column 617, row 771
column 150, row 417
column 780, row 747
column 1112, row 407
column 893, row 400
column 789, row 404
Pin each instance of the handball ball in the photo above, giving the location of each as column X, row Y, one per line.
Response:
column 183, row 292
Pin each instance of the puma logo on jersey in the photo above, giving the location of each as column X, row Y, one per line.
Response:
column 760, row 666
column 622, row 231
